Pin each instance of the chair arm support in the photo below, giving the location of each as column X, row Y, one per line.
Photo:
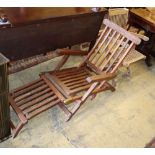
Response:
column 101, row 77
column 143, row 37
column 71, row 52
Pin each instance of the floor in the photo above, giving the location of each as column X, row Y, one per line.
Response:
column 125, row 118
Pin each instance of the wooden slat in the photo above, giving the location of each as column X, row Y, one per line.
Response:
column 93, row 67
column 41, row 104
column 47, row 80
column 109, row 41
column 25, row 86
column 63, row 71
column 113, row 52
column 75, row 82
column 77, row 97
column 17, row 110
column 75, row 79
column 72, row 73
column 35, row 101
column 103, row 57
column 78, row 85
column 79, row 89
column 96, row 58
column 44, row 108
column 30, row 98
column 103, row 50
column 59, row 85
column 117, row 55
column 30, row 93
column 102, row 42
column 123, row 56
column 29, row 88
column 94, row 47
column 74, row 76
column 122, row 31
column 64, row 74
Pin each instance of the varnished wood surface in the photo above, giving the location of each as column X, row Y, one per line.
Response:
column 4, row 104
column 23, row 15
column 144, row 17
column 146, row 14
column 70, row 84
column 40, row 30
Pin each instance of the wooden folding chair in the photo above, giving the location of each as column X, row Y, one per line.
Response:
column 120, row 17
column 100, row 66
column 61, row 87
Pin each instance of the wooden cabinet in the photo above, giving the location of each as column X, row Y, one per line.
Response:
column 4, row 104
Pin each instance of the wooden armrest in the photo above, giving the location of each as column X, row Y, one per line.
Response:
column 143, row 37
column 71, row 52
column 101, row 77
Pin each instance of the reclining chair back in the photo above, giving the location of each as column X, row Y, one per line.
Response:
column 110, row 49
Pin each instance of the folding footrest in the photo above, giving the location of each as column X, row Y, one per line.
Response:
column 32, row 99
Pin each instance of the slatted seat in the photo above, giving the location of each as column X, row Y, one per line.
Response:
column 71, row 81
column 76, row 84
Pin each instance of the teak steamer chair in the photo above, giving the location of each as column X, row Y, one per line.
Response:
column 61, row 87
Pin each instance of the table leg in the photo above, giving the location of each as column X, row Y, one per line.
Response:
column 148, row 46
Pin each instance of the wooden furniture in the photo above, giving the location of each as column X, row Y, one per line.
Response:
column 120, row 17
column 35, row 31
column 5, row 130
column 75, row 85
column 145, row 19
column 151, row 144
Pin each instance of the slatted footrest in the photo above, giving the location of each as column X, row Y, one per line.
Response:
column 33, row 98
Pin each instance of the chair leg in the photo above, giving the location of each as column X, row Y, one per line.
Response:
column 15, row 130
column 65, row 109
column 111, row 87
column 128, row 72
column 93, row 96
column 74, row 110
column 113, row 82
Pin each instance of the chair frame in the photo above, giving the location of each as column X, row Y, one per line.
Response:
column 96, row 78
column 97, row 81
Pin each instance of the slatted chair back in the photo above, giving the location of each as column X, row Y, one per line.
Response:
column 119, row 16
column 110, row 49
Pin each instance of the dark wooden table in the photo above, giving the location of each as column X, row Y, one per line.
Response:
column 145, row 19
column 33, row 31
